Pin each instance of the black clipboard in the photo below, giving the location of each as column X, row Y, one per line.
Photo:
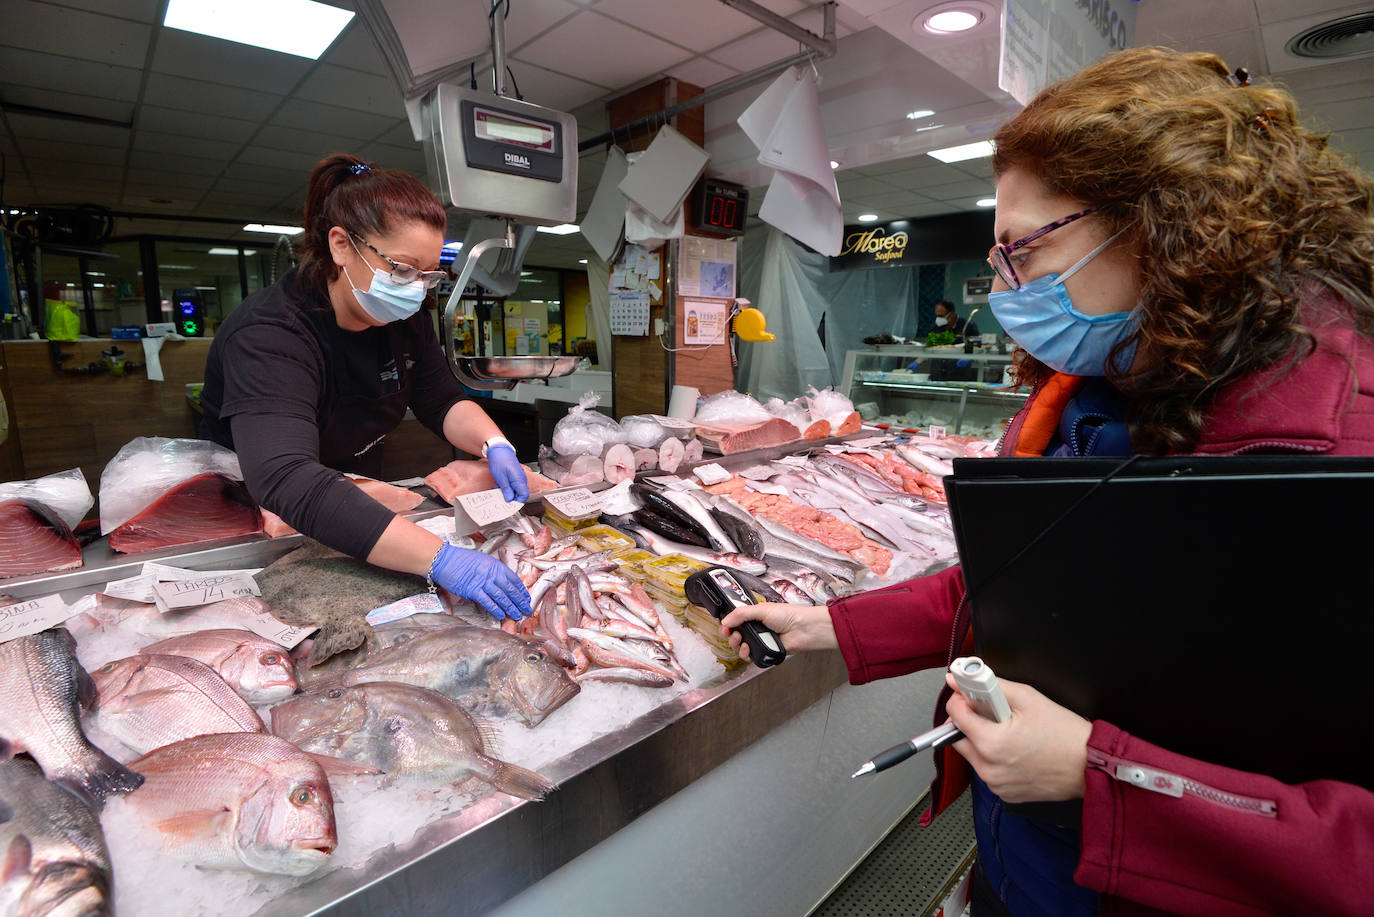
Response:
column 1221, row 607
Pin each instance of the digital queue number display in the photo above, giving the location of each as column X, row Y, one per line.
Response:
column 720, row 206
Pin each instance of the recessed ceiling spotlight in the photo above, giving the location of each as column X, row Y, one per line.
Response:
column 834, row 164
column 953, row 18
column 918, row 115
column 988, row 202
column 581, row 260
column 867, row 217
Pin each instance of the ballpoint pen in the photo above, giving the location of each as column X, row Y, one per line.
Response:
column 938, row 737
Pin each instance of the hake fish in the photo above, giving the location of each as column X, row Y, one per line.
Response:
column 401, row 729
column 242, row 800
column 56, row 861
column 259, row 670
column 484, row 669
column 147, row 701
column 42, row 689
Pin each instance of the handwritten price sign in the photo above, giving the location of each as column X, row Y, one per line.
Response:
column 204, row 590
column 577, row 503
column 24, row 618
column 475, row 511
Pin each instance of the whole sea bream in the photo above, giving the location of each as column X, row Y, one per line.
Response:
column 259, row 670
column 56, row 862
column 401, row 729
column 42, row 689
column 243, row 800
column 485, row 669
column 147, row 701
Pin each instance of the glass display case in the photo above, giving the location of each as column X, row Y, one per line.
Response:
column 919, row 387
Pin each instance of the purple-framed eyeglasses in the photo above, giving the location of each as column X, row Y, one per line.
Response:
column 1000, row 255
column 402, row 272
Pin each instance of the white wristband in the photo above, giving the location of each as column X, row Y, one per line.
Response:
column 495, row 441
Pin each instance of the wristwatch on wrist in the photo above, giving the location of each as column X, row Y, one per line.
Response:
column 495, row 441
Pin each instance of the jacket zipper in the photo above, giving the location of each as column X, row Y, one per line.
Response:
column 1277, row 444
column 1173, row 785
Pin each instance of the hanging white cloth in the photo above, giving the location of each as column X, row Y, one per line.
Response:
column 599, row 309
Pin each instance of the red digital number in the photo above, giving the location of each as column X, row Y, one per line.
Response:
column 730, row 208
column 714, row 218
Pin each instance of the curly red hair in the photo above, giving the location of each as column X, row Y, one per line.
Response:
column 1235, row 208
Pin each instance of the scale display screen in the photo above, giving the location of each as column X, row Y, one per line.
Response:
column 502, row 128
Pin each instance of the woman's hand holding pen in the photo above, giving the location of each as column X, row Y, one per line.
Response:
column 1039, row 755
column 801, row 627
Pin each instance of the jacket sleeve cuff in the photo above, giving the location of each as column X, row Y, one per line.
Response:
column 884, row 633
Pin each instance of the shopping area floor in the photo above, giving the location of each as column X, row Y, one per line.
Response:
column 911, row 871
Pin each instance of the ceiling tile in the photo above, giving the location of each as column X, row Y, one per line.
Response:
column 703, row 72
column 198, row 95
column 395, row 157
column 1347, row 115
column 1355, row 141
column 277, row 137
column 924, row 173
column 77, row 33
column 1172, row 22
column 139, row 10
column 859, row 186
column 59, row 171
column 693, row 25
column 353, row 89
column 242, row 200
column 161, row 159
column 71, row 103
column 533, row 18
column 228, row 63
column 68, row 131
column 400, row 135
column 206, row 125
column 73, row 152
column 281, row 159
column 1280, row 10
column 755, row 50
column 275, row 176
column 178, row 181
column 185, row 146
column 21, row 67
column 970, row 189
column 546, row 88
column 1238, row 49
column 331, row 119
column 600, row 50
column 357, row 49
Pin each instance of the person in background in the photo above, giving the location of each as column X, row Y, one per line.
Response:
column 1188, row 271
column 947, row 319
column 306, row 378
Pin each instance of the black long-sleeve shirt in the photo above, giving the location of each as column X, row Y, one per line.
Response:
column 300, row 400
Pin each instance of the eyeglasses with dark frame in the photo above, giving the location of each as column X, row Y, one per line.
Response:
column 405, row 273
column 999, row 256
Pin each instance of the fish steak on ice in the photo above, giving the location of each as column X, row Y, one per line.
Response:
column 242, row 800
column 42, row 690
column 147, row 701
column 56, row 861
column 401, row 729
column 259, row 670
column 486, row 670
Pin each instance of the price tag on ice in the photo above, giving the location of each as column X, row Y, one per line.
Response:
column 711, row 473
column 288, row 635
column 422, row 604
column 204, row 590
column 938, row 433
column 577, row 503
column 25, row 618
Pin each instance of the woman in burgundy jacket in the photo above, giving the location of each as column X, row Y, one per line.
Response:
column 1187, row 270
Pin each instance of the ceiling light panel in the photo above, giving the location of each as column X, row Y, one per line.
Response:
column 302, row 28
column 961, row 153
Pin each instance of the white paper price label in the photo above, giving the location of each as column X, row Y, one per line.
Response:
column 938, row 433
column 204, row 590
column 577, row 503
column 288, row 635
column 711, row 473
column 487, row 506
column 424, row 603
column 140, row 588
column 797, row 461
column 24, row 618
column 867, row 442
column 764, row 487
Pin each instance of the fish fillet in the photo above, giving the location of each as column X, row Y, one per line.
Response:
column 201, row 508
column 471, row 476
column 34, row 539
column 730, row 440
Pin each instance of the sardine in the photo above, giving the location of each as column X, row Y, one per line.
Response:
column 42, row 688
column 484, row 669
column 241, row 800
column 260, row 670
column 150, row 701
column 401, row 729
column 56, row 861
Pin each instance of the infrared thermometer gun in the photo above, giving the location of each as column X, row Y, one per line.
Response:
column 980, row 688
column 717, row 590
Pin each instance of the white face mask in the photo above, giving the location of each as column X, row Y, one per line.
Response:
column 941, row 321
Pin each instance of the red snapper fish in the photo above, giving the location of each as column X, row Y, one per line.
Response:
column 260, row 670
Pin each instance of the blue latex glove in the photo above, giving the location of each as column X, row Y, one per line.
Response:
column 483, row 579
column 508, row 473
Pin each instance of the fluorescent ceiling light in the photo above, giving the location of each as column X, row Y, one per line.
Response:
column 988, row 202
column 582, row 261
column 274, row 229
column 947, row 22
column 918, row 115
column 928, row 127
column 562, row 229
column 230, row 251
column 960, row 153
column 95, row 273
column 300, row 27
column 453, row 246
column 867, row 217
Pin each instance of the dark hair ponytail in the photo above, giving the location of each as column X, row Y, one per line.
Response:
column 346, row 191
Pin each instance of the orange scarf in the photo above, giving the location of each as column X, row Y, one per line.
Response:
column 1042, row 414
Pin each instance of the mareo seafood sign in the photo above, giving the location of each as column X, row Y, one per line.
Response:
column 943, row 239
column 877, row 245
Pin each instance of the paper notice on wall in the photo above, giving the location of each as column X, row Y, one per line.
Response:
column 708, row 267
column 704, row 322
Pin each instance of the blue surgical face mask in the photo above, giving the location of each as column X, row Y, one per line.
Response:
column 385, row 300
column 1041, row 318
